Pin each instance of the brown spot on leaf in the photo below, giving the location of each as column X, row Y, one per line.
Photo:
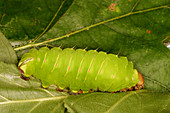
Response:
column 44, row 61
column 79, row 69
column 99, row 71
column 112, row 6
column 68, row 68
column 148, row 31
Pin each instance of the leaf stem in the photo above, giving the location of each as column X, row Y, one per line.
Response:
column 50, row 22
column 135, row 5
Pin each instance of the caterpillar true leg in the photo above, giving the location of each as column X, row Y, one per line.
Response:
column 25, row 78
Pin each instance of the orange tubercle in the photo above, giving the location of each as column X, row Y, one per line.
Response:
column 140, row 84
column 141, row 79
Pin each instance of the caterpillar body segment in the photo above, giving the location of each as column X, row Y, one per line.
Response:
column 80, row 70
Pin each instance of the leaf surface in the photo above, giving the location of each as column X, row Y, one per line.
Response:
column 19, row 96
column 131, row 102
column 22, row 19
column 131, row 28
column 7, row 54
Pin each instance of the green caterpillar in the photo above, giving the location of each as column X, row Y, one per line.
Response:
column 80, row 70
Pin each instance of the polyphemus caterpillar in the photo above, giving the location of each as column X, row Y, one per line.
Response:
column 80, row 70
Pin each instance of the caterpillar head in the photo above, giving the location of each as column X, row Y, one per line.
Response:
column 25, row 65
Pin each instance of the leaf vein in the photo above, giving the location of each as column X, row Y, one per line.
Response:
column 55, row 108
column 135, row 5
column 45, row 91
column 164, row 106
column 34, row 107
column 11, row 81
column 33, row 100
column 55, row 15
column 123, row 98
column 4, row 98
column 159, row 83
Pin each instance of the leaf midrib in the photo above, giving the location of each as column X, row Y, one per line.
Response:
column 33, row 100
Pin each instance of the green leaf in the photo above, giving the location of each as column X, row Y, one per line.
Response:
column 19, row 96
column 133, row 28
column 131, row 102
column 23, row 19
column 7, row 54
column 101, row 27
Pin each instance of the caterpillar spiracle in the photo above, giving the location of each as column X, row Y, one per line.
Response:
column 80, row 71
